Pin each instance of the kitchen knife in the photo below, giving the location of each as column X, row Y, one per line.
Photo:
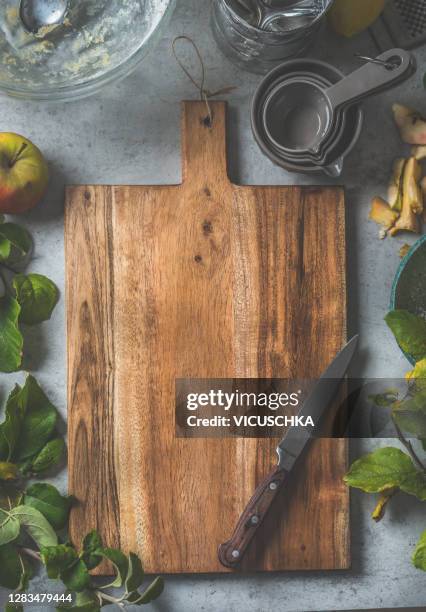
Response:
column 289, row 450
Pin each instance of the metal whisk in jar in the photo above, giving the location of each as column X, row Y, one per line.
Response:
column 257, row 35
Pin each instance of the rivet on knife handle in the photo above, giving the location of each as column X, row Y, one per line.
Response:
column 231, row 552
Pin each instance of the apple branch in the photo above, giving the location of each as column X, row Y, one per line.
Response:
column 409, row 447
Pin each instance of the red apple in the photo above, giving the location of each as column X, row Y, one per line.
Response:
column 23, row 174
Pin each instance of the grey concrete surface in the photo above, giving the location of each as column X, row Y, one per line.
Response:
column 129, row 133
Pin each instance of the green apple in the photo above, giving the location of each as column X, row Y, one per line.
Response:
column 24, row 174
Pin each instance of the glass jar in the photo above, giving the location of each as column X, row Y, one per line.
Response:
column 260, row 50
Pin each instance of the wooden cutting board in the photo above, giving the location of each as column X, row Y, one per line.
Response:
column 203, row 279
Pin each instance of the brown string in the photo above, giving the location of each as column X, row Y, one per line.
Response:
column 205, row 94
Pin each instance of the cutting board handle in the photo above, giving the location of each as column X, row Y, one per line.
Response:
column 204, row 143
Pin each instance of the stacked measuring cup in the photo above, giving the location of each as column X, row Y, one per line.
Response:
column 305, row 113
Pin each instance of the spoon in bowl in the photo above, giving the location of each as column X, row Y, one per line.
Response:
column 38, row 14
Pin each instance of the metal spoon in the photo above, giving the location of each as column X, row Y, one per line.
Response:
column 265, row 15
column 36, row 14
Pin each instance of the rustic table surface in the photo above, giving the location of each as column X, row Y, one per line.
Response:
column 130, row 133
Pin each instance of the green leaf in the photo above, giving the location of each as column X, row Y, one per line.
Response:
column 152, row 592
column 410, row 415
column 19, row 239
column 57, row 559
column 29, row 423
column 62, row 562
column 10, row 567
column 76, row 578
column 135, row 574
column 37, row 296
column 8, row 471
column 423, row 441
column 9, row 527
column 409, row 331
column 418, row 375
column 39, row 422
column 50, row 456
column 11, row 426
column 384, row 469
column 120, row 563
column 12, row 607
column 5, row 248
column 11, row 340
column 384, row 400
column 91, row 545
column 419, row 557
column 35, row 525
column 47, row 500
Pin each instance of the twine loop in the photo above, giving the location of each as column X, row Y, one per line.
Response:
column 205, row 94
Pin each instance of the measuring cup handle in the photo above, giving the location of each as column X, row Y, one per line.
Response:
column 371, row 77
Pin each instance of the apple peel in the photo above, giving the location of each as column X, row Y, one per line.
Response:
column 412, row 200
column 411, row 191
column 423, row 190
column 395, row 185
column 419, row 152
column 411, row 124
column 382, row 214
column 407, row 222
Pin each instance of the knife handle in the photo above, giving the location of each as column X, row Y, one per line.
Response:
column 230, row 553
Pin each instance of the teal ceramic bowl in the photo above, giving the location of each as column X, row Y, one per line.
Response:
column 409, row 286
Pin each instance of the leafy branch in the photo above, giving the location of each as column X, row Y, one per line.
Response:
column 410, row 448
column 33, row 519
column 389, row 470
column 25, row 299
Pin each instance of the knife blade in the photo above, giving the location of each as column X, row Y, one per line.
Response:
column 289, row 450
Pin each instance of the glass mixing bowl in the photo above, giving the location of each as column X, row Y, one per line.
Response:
column 99, row 41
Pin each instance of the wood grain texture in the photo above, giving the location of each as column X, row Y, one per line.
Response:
column 204, row 279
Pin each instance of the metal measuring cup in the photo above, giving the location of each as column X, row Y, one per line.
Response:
column 304, row 115
column 341, row 147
